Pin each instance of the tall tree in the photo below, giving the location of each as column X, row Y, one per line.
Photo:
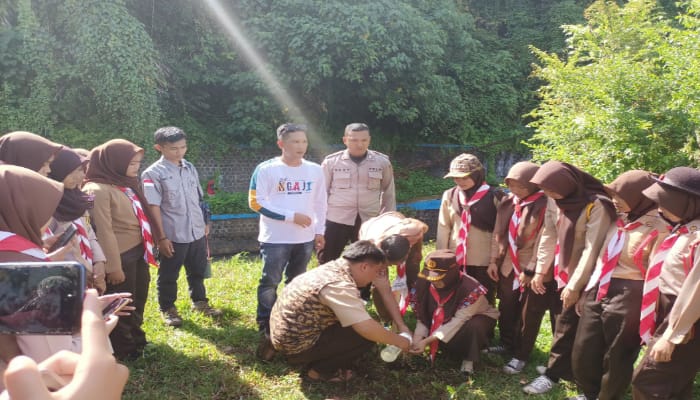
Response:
column 626, row 94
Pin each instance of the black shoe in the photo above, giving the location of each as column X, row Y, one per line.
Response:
column 265, row 350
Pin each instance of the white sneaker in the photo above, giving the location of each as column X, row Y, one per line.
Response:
column 541, row 369
column 540, row 385
column 467, row 367
column 514, row 366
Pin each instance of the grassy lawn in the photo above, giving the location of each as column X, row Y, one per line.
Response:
column 215, row 359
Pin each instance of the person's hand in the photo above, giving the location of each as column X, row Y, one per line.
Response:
column 165, row 247
column 99, row 277
column 537, row 284
column 492, row 270
column 94, row 374
column 569, row 297
column 302, row 220
column 319, row 242
column 115, row 278
column 419, row 347
column 106, row 299
column 207, row 229
column 662, row 350
column 524, row 280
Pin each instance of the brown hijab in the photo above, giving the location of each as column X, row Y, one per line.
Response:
column 108, row 164
column 27, row 201
column 74, row 202
column 629, row 186
column 521, row 172
column 484, row 211
column 578, row 189
column 26, row 149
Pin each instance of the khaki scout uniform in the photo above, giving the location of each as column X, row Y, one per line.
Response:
column 365, row 189
column 356, row 193
column 607, row 339
column 590, row 231
column 678, row 309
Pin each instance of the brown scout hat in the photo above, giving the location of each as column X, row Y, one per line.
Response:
column 463, row 165
column 439, row 261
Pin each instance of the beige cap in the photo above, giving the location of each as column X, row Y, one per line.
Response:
column 463, row 165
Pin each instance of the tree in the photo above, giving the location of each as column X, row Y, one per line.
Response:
column 625, row 96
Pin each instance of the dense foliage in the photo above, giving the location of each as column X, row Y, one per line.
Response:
column 626, row 95
column 441, row 71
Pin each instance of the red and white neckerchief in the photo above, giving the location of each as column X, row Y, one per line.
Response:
column 513, row 226
column 560, row 274
column 15, row 243
column 650, row 293
column 144, row 224
column 400, row 286
column 605, row 266
column 85, row 248
column 461, row 250
column 438, row 317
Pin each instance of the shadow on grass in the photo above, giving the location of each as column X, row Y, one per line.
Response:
column 171, row 375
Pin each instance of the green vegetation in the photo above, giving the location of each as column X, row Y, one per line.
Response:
column 441, row 71
column 229, row 203
column 215, row 359
column 626, row 94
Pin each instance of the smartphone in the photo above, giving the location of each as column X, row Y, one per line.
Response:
column 41, row 298
column 65, row 237
column 115, row 306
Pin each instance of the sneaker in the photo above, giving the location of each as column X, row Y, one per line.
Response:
column 540, row 385
column 541, row 369
column 265, row 350
column 467, row 368
column 514, row 366
column 171, row 317
column 204, row 308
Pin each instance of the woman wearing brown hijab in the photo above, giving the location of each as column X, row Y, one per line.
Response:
column 607, row 339
column 27, row 201
column 120, row 216
column 28, row 150
column 517, row 232
column 672, row 293
column 69, row 167
column 579, row 218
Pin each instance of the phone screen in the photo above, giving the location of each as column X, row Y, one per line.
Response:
column 65, row 237
column 41, row 297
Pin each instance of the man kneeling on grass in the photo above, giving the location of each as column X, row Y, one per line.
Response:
column 320, row 322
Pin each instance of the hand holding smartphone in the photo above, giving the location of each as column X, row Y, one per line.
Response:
column 115, row 306
column 64, row 239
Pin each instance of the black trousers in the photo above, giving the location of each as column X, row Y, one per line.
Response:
column 194, row 257
column 533, row 308
column 128, row 336
column 337, row 236
column 510, row 308
column 337, row 347
column 607, row 340
column 673, row 379
column 559, row 365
